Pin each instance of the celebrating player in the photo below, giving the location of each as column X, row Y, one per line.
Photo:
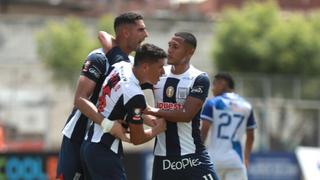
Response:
column 121, row 97
column 130, row 32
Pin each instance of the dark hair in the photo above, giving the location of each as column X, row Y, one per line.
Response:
column 148, row 53
column 126, row 18
column 227, row 77
column 188, row 38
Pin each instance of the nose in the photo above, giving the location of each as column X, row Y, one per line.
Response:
column 162, row 71
column 146, row 34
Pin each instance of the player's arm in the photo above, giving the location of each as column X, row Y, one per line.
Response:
column 93, row 69
column 191, row 106
column 205, row 127
column 138, row 135
column 251, row 125
column 248, row 147
column 107, row 41
column 206, row 119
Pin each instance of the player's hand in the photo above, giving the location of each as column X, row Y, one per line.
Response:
column 149, row 120
column 161, row 125
column 151, row 111
column 119, row 132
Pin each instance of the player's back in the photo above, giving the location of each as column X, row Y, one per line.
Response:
column 232, row 115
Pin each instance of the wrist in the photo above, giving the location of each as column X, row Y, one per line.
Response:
column 106, row 125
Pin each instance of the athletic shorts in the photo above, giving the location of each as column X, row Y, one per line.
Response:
column 69, row 164
column 102, row 163
column 188, row 167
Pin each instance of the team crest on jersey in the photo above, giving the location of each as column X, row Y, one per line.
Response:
column 170, row 91
column 137, row 114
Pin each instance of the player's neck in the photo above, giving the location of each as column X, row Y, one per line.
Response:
column 139, row 75
column 180, row 68
column 123, row 46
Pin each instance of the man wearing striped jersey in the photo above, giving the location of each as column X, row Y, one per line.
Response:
column 179, row 95
column 230, row 117
column 121, row 97
column 130, row 32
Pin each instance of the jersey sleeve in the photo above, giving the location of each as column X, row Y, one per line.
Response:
column 200, row 87
column 134, row 108
column 207, row 112
column 95, row 66
column 251, row 123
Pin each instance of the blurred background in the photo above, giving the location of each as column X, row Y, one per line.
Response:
column 272, row 48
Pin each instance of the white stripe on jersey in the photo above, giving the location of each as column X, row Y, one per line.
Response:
column 186, row 81
column 186, row 139
column 68, row 129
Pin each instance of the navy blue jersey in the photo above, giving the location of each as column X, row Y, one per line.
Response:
column 96, row 68
column 170, row 92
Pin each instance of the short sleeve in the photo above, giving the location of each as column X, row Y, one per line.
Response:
column 207, row 112
column 200, row 87
column 251, row 123
column 134, row 108
column 95, row 66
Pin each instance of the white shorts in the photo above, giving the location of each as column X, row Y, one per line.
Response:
column 232, row 173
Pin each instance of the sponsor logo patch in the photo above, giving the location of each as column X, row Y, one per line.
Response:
column 180, row 164
column 197, row 90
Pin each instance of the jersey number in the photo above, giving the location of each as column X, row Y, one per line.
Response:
column 229, row 118
column 207, row 177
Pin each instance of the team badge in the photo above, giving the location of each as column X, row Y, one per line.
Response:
column 137, row 114
column 170, row 91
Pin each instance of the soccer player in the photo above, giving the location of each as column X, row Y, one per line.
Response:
column 130, row 32
column 121, row 97
column 179, row 96
column 230, row 117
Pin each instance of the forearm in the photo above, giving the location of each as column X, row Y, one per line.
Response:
column 175, row 115
column 89, row 110
column 248, row 146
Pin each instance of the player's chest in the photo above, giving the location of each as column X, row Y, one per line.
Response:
column 173, row 89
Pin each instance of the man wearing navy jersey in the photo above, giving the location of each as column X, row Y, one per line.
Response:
column 130, row 32
column 179, row 96
column 121, row 97
column 230, row 118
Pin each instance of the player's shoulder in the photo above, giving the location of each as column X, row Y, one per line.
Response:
column 196, row 72
column 241, row 100
column 97, row 51
column 217, row 102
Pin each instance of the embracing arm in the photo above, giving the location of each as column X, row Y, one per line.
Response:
column 84, row 90
column 190, row 108
column 248, row 147
column 107, row 41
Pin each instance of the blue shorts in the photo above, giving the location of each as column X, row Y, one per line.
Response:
column 102, row 163
column 188, row 167
column 69, row 164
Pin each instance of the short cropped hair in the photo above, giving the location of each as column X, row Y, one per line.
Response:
column 188, row 38
column 126, row 18
column 148, row 53
column 227, row 77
